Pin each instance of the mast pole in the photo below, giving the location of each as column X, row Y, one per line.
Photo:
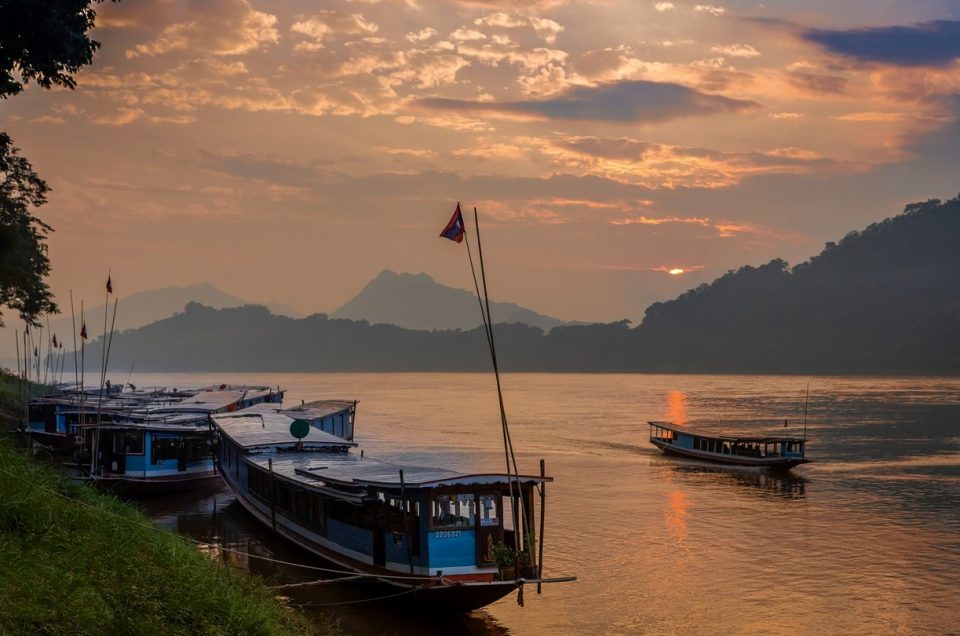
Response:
column 507, row 443
column 73, row 322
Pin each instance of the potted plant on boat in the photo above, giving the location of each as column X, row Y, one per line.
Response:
column 506, row 558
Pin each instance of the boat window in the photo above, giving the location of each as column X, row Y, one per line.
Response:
column 163, row 448
column 134, row 442
column 489, row 515
column 454, row 511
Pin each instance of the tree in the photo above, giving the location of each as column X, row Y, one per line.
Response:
column 46, row 42
column 24, row 264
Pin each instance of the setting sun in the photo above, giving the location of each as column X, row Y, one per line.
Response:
column 676, row 271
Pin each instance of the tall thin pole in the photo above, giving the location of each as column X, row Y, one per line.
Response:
column 16, row 339
column 805, row 403
column 105, row 346
column 543, row 509
column 73, row 322
column 507, row 443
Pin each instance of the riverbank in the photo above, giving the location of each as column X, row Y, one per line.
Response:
column 76, row 561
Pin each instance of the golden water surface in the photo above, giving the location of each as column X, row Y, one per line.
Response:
column 865, row 540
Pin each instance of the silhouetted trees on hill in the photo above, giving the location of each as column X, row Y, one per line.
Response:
column 884, row 300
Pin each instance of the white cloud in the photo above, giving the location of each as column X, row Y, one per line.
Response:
column 712, row 9
column 737, row 50
column 664, row 6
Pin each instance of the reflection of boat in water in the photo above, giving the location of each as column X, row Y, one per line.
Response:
column 435, row 534
column 781, row 484
column 767, row 452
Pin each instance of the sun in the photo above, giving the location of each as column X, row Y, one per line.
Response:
column 676, row 271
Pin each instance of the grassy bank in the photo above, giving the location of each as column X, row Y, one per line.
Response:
column 76, row 561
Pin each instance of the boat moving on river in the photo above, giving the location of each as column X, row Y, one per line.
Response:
column 770, row 452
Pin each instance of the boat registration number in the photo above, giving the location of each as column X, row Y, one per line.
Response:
column 448, row 534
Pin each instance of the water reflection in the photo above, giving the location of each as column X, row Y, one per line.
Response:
column 782, row 484
column 676, row 408
column 675, row 515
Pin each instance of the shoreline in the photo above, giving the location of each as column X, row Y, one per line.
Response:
column 74, row 560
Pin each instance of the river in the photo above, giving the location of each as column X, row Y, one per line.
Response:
column 864, row 540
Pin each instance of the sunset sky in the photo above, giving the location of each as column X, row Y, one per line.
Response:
column 287, row 151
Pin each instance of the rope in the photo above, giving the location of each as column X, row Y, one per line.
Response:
column 362, row 600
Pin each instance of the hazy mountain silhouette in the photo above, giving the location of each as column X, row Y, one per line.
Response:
column 885, row 300
column 416, row 301
column 136, row 310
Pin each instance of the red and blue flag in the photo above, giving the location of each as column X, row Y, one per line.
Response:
column 455, row 229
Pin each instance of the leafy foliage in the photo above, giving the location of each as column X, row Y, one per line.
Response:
column 44, row 41
column 24, row 264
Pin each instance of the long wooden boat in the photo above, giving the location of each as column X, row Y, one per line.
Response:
column 431, row 535
column 157, row 446
column 770, row 452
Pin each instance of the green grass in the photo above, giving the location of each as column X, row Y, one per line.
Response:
column 77, row 561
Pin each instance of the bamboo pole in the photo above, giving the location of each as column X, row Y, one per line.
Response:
column 543, row 506
column 519, row 533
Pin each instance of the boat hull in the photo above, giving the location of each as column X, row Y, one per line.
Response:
column 775, row 463
column 146, row 486
column 446, row 594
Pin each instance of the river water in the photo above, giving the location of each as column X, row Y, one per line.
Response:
column 864, row 540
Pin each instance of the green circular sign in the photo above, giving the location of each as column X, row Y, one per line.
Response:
column 300, row 428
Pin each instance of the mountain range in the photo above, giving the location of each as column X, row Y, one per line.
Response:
column 884, row 300
column 416, row 301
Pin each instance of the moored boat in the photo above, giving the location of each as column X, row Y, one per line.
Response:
column 440, row 535
column 161, row 444
column 769, row 452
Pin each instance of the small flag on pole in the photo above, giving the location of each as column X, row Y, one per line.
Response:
column 83, row 331
column 455, row 229
column 109, row 285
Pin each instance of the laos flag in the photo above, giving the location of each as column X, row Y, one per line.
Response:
column 454, row 230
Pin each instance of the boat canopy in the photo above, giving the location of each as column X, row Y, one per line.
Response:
column 263, row 428
column 670, row 426
column 357, row 473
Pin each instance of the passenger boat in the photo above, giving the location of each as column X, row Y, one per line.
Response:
column 770, row 452
column 157, row 445
column 432, row 533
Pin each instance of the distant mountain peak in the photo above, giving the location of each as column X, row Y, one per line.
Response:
column 417, row 301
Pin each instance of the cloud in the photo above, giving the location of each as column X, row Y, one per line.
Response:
column 121, row 117
column 328, row 24
column 659, row 166
column 544, row 27
column 712, row 9
column 631, row 101
column 737, row 50
column 663, row 6
column 935, row 43
column 220, row 27
column 623, row 148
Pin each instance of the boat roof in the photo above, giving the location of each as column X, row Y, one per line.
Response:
column 323, row 471
column 670, row 426
column 258, row 428
column 308, row 411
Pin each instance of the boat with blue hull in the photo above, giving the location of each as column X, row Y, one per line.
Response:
column 431, row 535
column 159, row 445
column 773, row 452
